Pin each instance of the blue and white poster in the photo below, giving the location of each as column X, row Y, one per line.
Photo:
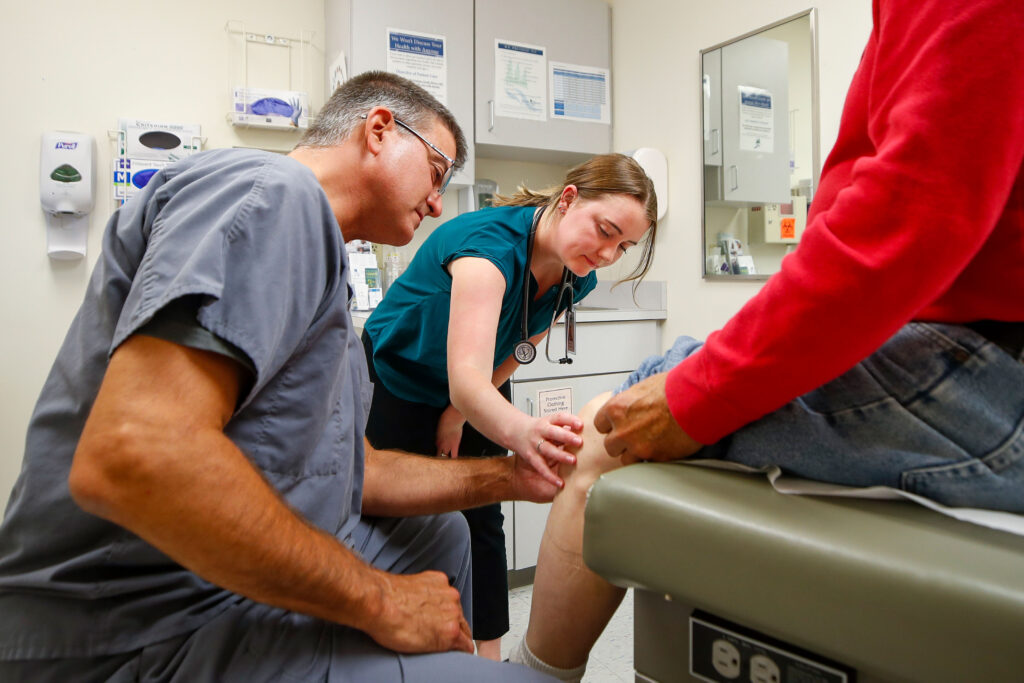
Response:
column 421, row 58
column 520, row 87
column 757, row 120
column 579, row 93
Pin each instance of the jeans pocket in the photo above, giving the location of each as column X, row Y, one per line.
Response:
column 994, row 481
column 913, row 361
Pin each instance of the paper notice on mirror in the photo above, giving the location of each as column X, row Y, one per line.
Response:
column 579, row 93
column 520, row 81
column 757, row 120
column 420, row 57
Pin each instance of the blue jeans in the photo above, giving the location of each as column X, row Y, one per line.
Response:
column 937, row 411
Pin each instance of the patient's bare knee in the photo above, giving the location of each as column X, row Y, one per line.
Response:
column 592, row 460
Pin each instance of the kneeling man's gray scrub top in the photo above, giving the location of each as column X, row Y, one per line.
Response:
column 248, row 243
column 252, row 238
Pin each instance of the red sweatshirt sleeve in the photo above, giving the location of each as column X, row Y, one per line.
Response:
column 929, row 149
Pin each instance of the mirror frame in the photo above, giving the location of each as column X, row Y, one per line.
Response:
column 812, row 14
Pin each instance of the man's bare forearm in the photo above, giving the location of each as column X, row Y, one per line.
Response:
column 164, row 469
column 398, row 484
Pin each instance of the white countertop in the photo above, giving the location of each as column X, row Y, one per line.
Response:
column 603, row 304
column 598, row 314
column 607, row 304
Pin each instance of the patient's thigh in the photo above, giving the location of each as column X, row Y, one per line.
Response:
column 937, row 411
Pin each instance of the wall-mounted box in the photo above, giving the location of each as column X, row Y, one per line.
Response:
column 271, row 75
column 268, row 108
column 777, row 223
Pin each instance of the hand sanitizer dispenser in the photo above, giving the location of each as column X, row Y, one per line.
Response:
column 67, row 191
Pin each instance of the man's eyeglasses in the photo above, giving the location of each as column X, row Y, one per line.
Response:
column 446, row 176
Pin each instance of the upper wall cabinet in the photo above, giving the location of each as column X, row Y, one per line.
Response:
column 429, row 42
column 746, row 141
column 543, row 90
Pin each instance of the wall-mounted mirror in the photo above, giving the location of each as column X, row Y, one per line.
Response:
column 760, row 146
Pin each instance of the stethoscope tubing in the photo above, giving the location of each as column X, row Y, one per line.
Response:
column 525, row 352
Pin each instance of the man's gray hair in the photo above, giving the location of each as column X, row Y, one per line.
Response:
column 355, row 97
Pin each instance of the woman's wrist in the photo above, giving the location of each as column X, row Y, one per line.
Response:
column 516, row 429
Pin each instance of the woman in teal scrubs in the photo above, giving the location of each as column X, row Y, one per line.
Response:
column 440, row 347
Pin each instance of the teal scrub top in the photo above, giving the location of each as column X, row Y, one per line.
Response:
column 409, row 329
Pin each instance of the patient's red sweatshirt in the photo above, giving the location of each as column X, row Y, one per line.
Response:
column 919, row 216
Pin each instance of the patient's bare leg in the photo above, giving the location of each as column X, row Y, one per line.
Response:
column 571, row 604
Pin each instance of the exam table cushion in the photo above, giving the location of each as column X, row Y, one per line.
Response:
column 887, row 587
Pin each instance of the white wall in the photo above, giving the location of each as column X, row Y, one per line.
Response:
column 72, row 65
column 656, row 103
column 79, row 66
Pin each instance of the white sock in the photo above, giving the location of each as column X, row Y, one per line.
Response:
column 521, row 654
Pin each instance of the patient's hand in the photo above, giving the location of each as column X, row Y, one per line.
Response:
column 639, row 425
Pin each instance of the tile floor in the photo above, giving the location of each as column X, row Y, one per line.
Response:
column 611, row 660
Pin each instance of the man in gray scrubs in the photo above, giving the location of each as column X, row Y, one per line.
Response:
column 195, row 503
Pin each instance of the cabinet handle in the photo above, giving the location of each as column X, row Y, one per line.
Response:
column 529, row 406
column 734, row 172
column 491, row 103
column 715, row 135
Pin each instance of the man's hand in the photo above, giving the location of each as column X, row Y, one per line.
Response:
column 640, row 427
column 529, row 485
column 420, row 613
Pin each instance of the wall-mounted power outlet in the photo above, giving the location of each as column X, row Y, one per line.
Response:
column 721, row 652
column 763, row 669
column 725, row 658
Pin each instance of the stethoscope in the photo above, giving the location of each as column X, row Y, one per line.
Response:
column 525, row 351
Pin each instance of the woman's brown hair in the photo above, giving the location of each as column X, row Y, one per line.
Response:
column 602, row 175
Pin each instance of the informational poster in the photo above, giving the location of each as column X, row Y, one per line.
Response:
column 579, row 93
column 421, row 58
column 520, row 90
column 554, row 401
column 757, row 120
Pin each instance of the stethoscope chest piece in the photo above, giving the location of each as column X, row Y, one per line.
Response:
column 525, row 352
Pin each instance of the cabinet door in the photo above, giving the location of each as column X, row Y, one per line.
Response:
column 576, row 32
column 755, row 121
column 528, row 519
column 712, row 111
column 360, row 28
